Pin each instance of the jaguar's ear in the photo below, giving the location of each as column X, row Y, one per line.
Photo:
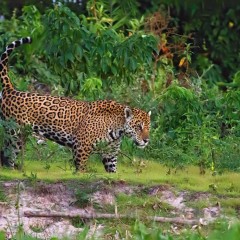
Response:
column 149, row 113
column 128, row 113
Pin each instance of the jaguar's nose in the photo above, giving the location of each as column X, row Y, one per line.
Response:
column 146, row 140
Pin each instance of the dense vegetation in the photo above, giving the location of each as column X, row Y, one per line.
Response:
column 143, row 62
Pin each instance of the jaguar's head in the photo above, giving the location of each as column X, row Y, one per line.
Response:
column 137, row 126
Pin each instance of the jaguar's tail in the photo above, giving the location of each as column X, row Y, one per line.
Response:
column 5, row 80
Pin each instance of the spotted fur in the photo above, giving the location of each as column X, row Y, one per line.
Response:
column 77, row 124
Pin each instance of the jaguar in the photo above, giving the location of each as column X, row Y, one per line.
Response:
column 80, row 125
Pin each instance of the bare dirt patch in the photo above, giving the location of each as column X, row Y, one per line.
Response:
column 61, row 197
column 47, row 197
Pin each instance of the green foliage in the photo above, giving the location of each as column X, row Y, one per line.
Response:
column 2, row 235
column 78, row 45
column 107, row 54
column 194, row 131
column 83, row 198
column 214, row 31
column 143, row 233
column 3, row 197
column 83, row 234
column 6, row 127
column 92, row 87
column 115, row 13
column 222, row 233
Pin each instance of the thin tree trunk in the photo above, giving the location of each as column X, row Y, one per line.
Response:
column 177, row 220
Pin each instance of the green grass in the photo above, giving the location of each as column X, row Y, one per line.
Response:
column 51, row 164
column 142, row 203
column 3, row 197
column 153, row 173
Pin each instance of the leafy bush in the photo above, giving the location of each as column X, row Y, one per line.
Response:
column 224, row 232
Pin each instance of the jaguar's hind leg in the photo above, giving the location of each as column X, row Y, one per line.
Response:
column 80, row 155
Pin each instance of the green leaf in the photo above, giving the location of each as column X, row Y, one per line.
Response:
column 83, row 234
column 114, row 70
column 69, row 56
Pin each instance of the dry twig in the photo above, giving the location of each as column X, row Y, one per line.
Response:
column 177, row 220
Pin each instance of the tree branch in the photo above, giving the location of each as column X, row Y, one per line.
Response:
column 177, row 220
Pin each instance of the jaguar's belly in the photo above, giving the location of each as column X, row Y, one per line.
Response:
column 59, row 136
